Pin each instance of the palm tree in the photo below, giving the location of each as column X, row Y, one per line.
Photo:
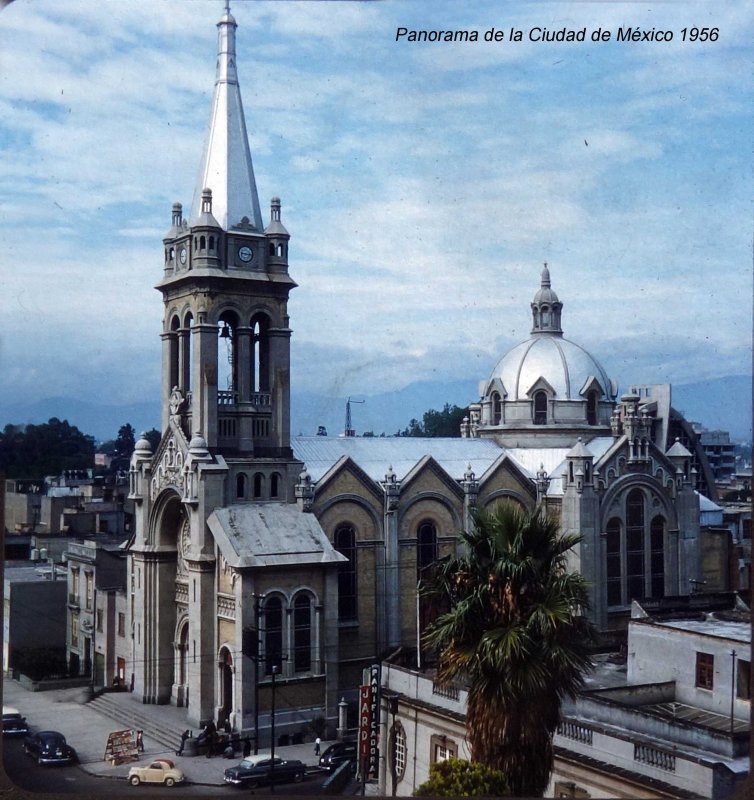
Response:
column 514, row 632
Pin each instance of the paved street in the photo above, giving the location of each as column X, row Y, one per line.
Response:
column 87, row 730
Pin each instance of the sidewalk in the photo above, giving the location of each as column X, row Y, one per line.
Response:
column 87, row 730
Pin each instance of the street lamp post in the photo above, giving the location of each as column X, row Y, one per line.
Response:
column 258, row 603
column 272, row 729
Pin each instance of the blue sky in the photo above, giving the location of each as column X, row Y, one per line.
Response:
column 423, row 185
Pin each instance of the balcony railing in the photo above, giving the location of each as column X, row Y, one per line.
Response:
column 572, row 730
column 450, row 692
column 646, row 754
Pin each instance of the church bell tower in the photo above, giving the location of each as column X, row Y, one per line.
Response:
column 226, row 334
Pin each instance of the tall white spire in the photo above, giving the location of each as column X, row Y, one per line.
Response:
column 226, row 166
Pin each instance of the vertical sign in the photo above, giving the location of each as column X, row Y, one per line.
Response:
column 365, row 725
column 374, row 733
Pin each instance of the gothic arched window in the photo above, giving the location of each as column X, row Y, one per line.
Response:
column 344, row 542
column 657, row 556
column 540, row 408
column 273, row 634
column 241, row 486
column 614, row 562
column 635, row 542
column 302, row 633
column 275, row 485
column 258, row 485
column 426, row 546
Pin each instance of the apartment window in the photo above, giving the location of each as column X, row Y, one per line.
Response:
column 568, row 789
column 743, row 679
column 75, row 583
column 74, row 629
column 705, row 670
column 121, row 624
column 99, row 620
column 89, row 579
column 442, row 748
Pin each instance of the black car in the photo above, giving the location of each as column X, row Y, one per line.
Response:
column 13, row 723
column 336, row 754
column 257, row 770
column 49, row 747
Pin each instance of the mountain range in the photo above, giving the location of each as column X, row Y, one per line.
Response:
column 719, row 404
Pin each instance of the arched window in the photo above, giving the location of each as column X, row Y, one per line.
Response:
column 302, row 633
column 635, row 570
column 657, row 556
column 426, row 546
column 273, row 634
column 545, row 316
column 202, row 243
column 211, row 242
column 497, row 408
column 614, row 589
column 275, row 485
column 591, row 408
column 260, row 378
column 344, row 542
column 272, row 249
column 399, row 750
column 258, row 485
column 241, row 486
column 540, row 408
column 184, row 370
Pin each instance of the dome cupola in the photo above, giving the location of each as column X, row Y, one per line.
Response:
column 546, row 307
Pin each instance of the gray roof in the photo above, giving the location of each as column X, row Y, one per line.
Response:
column 554, row 461
column 270, row 534
column 375, row 455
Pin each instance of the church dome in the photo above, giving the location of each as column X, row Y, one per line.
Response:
column 564, row 365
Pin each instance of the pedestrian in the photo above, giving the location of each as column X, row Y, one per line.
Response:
column 139, row 741
column 317, row 743
column 185, row 735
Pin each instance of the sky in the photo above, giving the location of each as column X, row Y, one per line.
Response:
column 423, row 184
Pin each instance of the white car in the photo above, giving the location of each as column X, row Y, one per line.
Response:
column 161, row 770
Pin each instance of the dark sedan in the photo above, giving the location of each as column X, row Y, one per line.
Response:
column 258, row 770
column 14, row 723
column 336, row 754
column 49, row 747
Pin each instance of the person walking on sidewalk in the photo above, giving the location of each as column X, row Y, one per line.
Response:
column 139, row 741
column 317, row 743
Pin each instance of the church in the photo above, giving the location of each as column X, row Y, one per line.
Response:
column 263, row 562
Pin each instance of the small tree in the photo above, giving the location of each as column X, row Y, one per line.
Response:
column 454, row 777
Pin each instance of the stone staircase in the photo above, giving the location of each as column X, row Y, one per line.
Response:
column 161, row 724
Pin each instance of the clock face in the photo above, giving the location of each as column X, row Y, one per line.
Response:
column 182, row 255
column 245, row 253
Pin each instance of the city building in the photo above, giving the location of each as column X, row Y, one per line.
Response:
column 670, row 720
column 96, row 601
column 34, row 617
column 294, row 561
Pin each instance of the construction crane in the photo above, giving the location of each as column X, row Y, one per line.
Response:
column 349, row 430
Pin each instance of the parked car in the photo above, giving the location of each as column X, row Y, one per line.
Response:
column 261, row 769
column 161, row 770
column 13, row 723
column 49, row 747
column 336, row 754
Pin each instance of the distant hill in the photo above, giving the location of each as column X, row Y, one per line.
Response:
column 723, row 403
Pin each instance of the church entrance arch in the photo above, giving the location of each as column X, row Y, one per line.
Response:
column 225, row 665
column 167, row 525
